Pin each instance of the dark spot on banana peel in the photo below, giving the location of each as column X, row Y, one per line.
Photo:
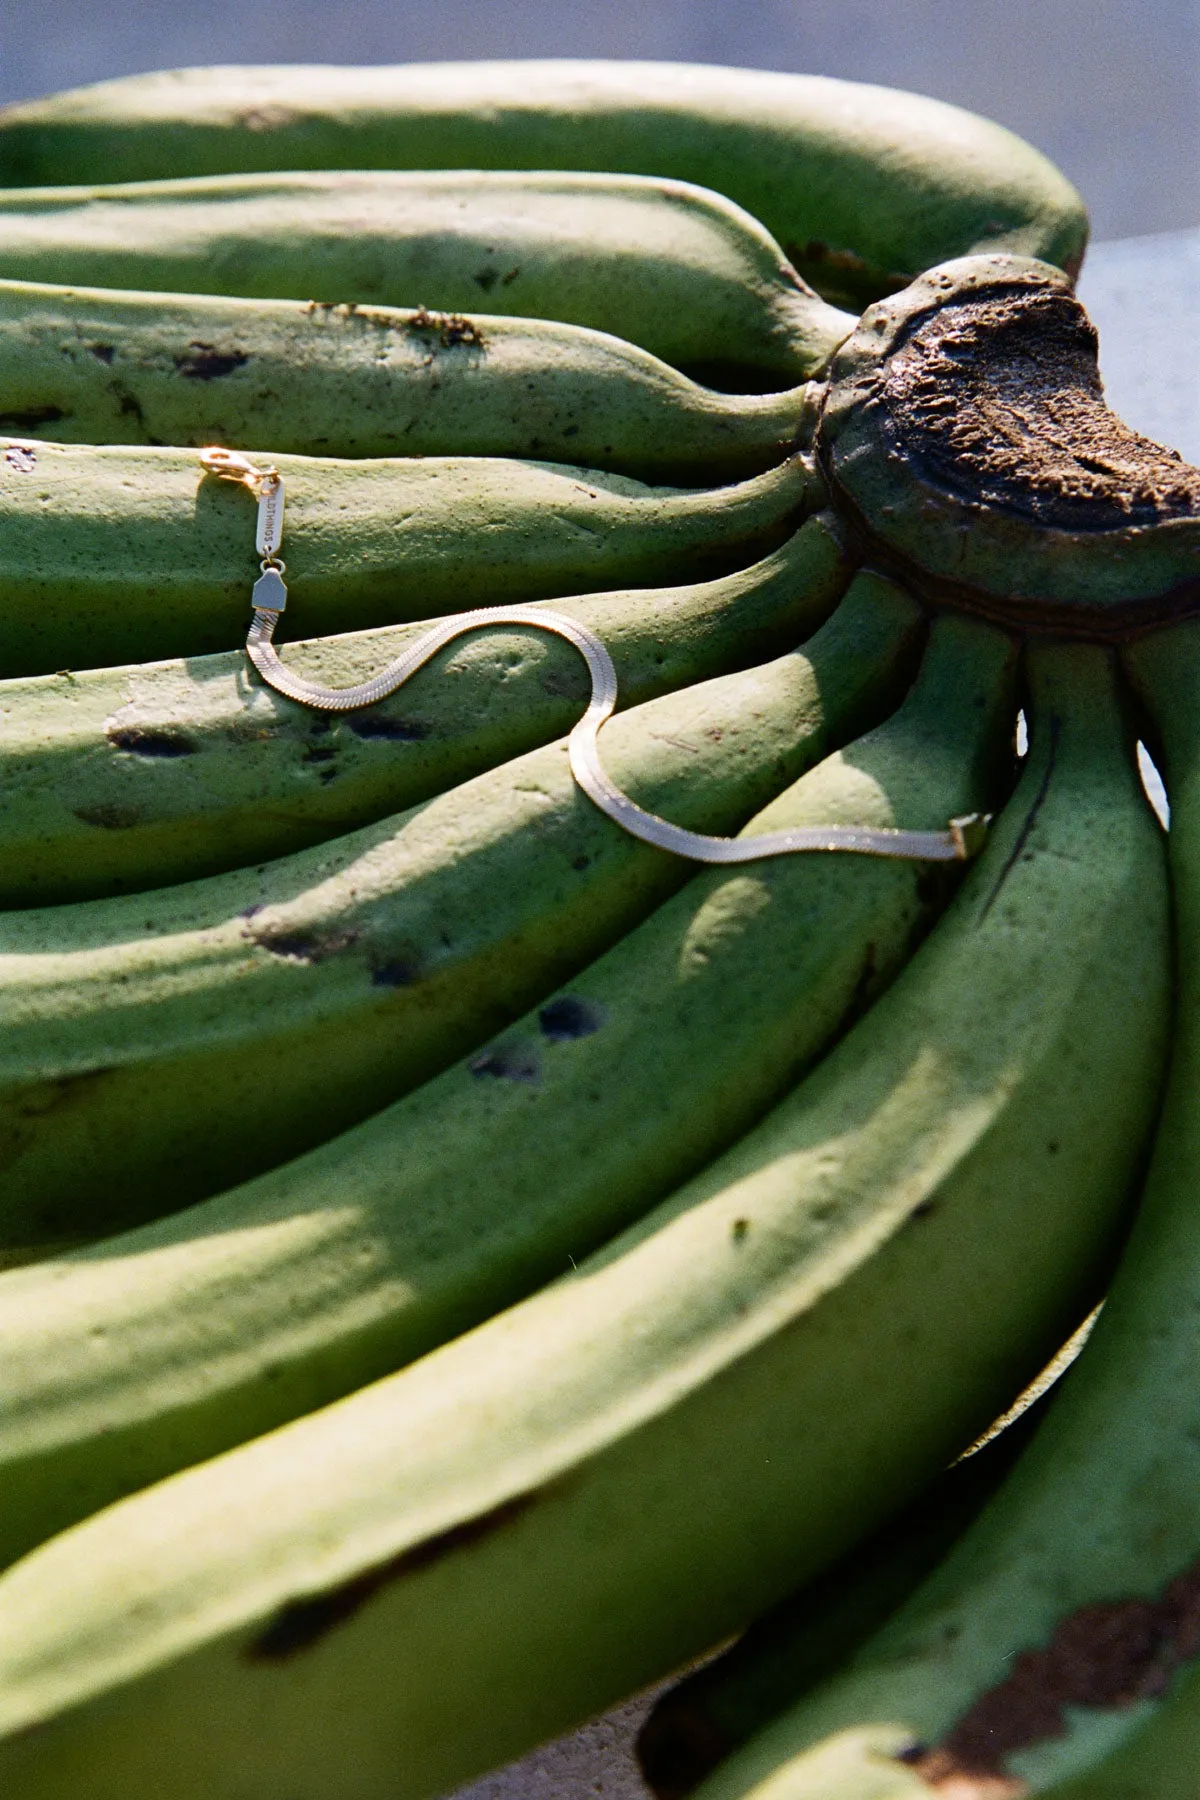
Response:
column 925, row 1210
column 739, row 1230
column 130, row 407
column 103, row 352
column 398, row 731
column 450, row 329
column 162, row 742
column 959, row 1786
column 204, row 362
column 304, row 946
column 1110, row 1654
column 399, row 972
column 302, row 1623
column 109, row 817
column 486, row 279
column 516, row 1060
column 570, row 1017
column 32, row 418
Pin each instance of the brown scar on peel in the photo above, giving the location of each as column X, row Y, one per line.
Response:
column 450, row 329
column 1110, row 1654
column 302, row 1623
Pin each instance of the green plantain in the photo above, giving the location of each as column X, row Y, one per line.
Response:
column 213, row 1326
column 135, row 777
column 716, row 1708
column 1049, row 1654
column 138, row 1034
column 115, row 554
column 431, row 1575
column 677, row 269
column 82, row 365
column 863, row 185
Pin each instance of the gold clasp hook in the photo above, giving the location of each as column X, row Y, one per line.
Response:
column 231, row 465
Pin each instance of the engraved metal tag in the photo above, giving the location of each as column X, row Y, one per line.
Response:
column 269, row 534
column 269, row 593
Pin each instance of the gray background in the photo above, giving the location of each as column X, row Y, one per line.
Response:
column 1110, row 89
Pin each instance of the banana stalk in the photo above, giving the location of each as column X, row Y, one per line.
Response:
column 138, row 1034
column 676, row 269
column 135, row 777
column 429, row 1576
column 863, row 186
column 114, row 554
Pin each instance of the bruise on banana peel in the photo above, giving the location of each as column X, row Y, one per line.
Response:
column 301, row 1624
column 1108, row 1654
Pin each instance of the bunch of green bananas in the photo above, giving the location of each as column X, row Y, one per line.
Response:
column 461, row 1259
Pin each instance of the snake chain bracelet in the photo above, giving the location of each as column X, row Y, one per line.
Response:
column 959, row 841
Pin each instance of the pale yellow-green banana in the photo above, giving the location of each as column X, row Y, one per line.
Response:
column 675, row 268
column 138, row 776
column 116, row 554
column 1053, row 1653
column 140, row 1034
column 863, row 186
column 387, row 1596
column 177, row 1341
column 85, row 365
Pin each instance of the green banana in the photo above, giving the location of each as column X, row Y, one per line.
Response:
column 677, row 269
column 1055, row 1634
column 388, row 1595
column 112, row 555
column 82, row 365
column 138, row 1034
column 135, row 777
column 714, row 1710
column 458, row 1199
column 864, row 186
